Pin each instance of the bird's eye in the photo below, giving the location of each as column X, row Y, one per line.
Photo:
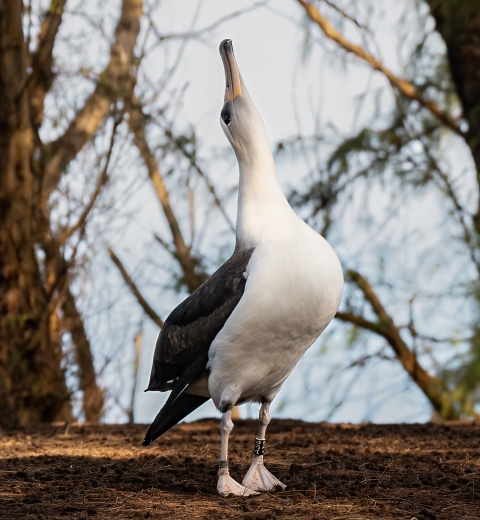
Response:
column 226, row 118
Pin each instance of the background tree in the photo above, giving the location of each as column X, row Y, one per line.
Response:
column 96, row 140
column 403, row 146
column 436, row 106
column 64, row 121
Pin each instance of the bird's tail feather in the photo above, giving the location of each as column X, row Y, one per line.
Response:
column 171, row 413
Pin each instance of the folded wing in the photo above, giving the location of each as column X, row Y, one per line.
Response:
column 181, row 352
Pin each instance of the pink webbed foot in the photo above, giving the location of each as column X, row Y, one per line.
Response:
column 228, row 486
column 259, row 478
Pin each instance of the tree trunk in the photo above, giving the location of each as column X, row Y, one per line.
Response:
column 93, row 397
column 458, row 22
column 32, row 383
column 35, row 293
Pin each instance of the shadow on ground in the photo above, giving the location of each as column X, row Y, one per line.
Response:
column 332, row 472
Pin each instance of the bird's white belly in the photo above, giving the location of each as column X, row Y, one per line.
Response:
column 293, row 291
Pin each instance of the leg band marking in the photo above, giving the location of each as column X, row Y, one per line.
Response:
column 223, row 463
column 259, row 448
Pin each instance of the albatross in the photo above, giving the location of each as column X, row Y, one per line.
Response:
column 238, row 337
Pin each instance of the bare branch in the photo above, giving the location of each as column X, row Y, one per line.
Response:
column 112, row 85
column 434, row 389
column 101, row 181
column 211, row 188
column 165, row 245
column 41, row 77
column 360, row 321
column 131, row 284
column 405, row 87
column 183, row 253
column 447, row 187
column 346, row 15
column 208, row 28
column 136, row 366
column 93, row 395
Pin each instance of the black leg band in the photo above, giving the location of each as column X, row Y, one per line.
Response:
column 259, row 448
column 223, row 463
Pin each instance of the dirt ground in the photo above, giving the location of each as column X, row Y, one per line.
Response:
column 332, row 472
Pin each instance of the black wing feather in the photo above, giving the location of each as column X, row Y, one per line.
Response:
column 165, row 420
column 192, row 326
column 181, row 353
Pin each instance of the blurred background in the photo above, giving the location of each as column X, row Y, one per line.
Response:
column 118, row 195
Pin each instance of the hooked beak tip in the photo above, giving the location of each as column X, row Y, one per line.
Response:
column 226, row 46
column 233, row 85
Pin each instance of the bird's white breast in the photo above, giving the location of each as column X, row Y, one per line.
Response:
column 293, row 290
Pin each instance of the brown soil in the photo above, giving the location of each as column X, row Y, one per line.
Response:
column 332, row 472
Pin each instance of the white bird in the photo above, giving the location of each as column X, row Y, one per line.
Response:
column 239, row 336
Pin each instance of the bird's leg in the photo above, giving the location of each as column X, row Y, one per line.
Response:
column 258, row 477
column 226, row 485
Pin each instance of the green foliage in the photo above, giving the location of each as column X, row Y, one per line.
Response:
column 403, row 144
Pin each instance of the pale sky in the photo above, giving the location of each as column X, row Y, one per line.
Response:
column 294, row 91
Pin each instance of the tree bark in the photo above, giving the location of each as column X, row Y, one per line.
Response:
column 458, row 22
column 93, row 396
column 35, row 295
column 32, row 383
column 41, row 77
column 113, row 85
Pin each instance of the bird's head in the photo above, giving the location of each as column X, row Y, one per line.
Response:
column 239, row 118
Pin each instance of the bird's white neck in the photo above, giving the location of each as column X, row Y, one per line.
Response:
column 262, row 205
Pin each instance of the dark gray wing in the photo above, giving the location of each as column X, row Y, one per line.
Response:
column 181, row 353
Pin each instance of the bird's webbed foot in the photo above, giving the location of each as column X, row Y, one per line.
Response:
column 259, row 478
column 228, row 486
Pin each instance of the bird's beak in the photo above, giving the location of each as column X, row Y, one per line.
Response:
column 232, row 74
